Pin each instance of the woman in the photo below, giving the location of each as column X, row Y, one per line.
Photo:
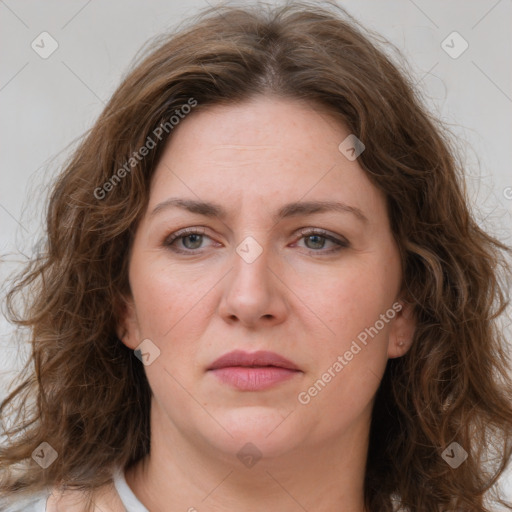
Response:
column 263, row 290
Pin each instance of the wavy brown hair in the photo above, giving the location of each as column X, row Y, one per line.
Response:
column 86, row 394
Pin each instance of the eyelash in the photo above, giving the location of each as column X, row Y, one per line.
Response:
column 305, row 232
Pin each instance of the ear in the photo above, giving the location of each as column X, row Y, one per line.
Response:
column 402, row 330
column 127, row 328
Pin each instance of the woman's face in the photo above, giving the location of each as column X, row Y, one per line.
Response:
column 263, row 267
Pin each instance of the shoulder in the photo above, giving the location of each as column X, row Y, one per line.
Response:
column 34, row 503
column 54, row 499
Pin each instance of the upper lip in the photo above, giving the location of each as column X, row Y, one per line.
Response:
column 248, row 359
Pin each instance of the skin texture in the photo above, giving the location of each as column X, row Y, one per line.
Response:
column 297, row 299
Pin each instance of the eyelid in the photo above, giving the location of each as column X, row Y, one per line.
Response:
column 312, row 230
column 324, row 233
column 201, row 230
column 339, row 240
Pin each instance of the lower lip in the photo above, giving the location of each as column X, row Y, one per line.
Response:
column 253, row 379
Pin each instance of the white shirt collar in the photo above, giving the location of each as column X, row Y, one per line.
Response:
column 130, row 501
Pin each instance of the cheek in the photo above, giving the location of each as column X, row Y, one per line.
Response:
column 351, row 298
column 174, row 307
column 167, row 296
column 350, row 360
column 171, row 312
column 351, row 306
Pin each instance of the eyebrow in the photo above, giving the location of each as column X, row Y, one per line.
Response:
column 289, row 210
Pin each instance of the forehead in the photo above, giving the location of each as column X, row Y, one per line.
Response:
column 263, row 151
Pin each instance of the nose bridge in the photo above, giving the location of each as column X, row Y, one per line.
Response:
column 251, row 266
column 252, row 291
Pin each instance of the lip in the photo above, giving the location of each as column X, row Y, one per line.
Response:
column 253, row 371
column 248, row 359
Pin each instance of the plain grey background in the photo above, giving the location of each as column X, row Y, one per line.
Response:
column 460, row 52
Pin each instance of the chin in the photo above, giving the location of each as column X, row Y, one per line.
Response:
column 269, row 430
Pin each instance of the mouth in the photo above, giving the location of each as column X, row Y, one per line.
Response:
column 253, row 371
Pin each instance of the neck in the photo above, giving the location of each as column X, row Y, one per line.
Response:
column 185, row 473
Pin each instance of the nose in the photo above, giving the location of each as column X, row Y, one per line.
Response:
column 254, row 292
